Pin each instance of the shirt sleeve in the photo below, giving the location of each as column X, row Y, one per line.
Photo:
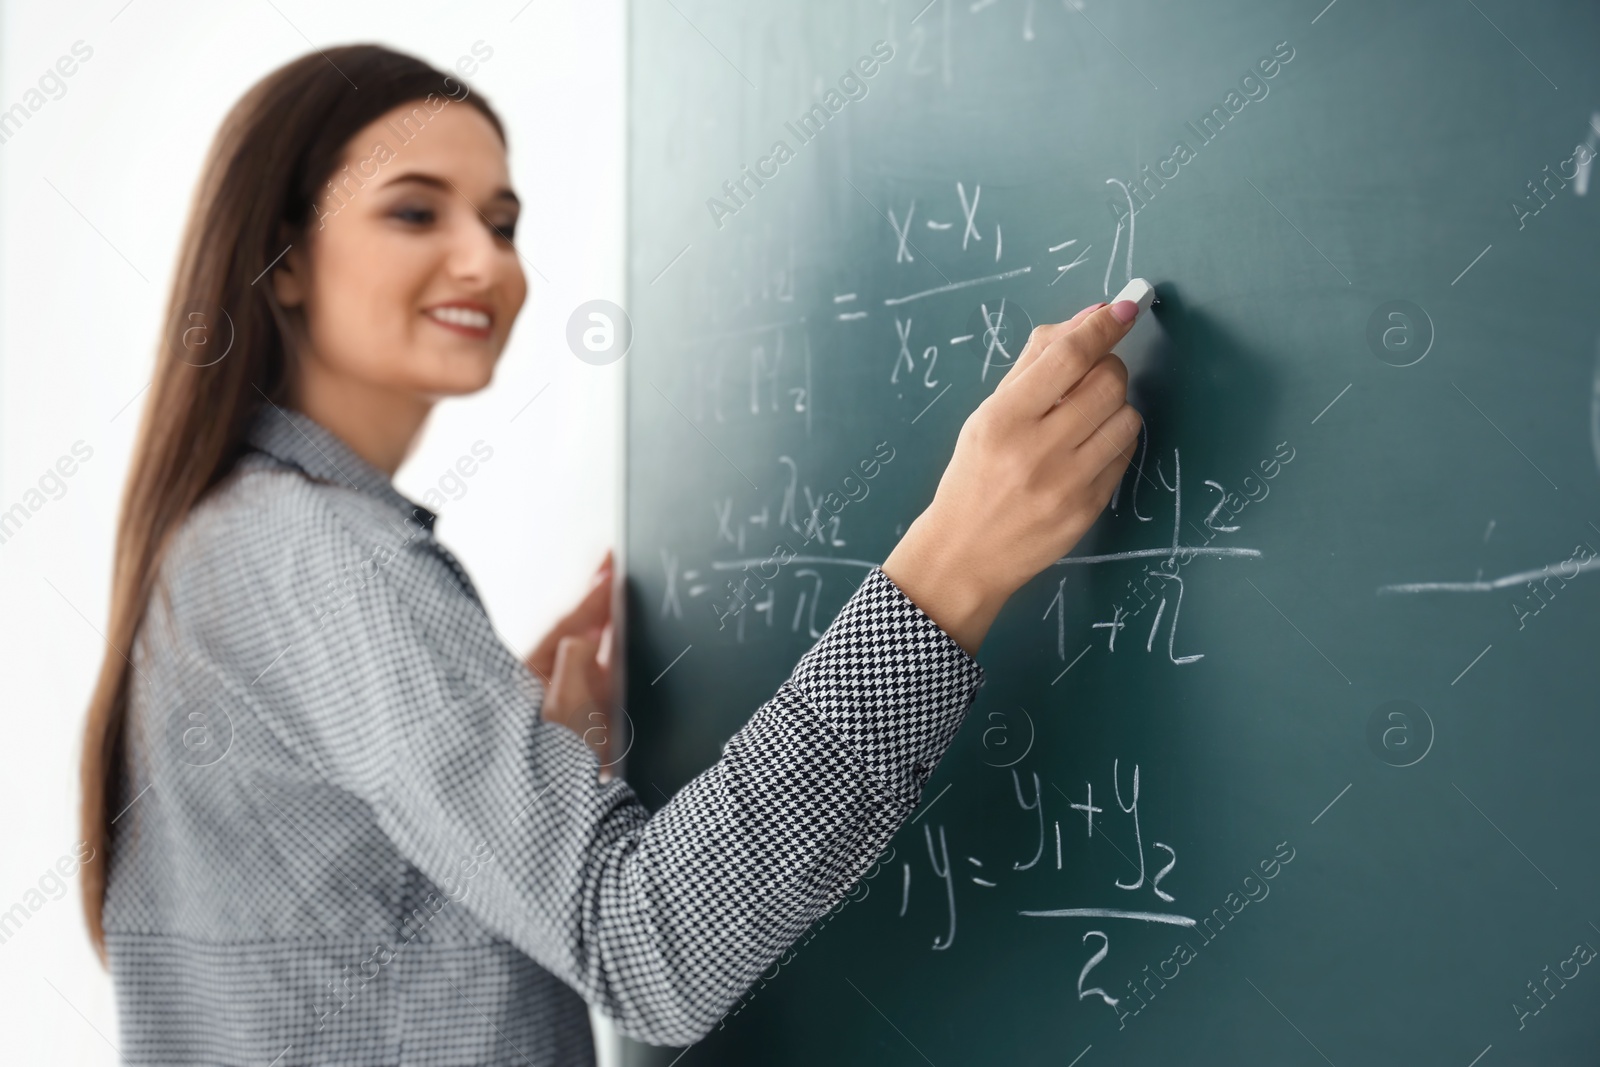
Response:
column 397, row 688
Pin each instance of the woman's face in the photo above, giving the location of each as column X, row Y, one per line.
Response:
column 406, row 276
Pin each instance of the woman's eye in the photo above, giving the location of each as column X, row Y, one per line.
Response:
column 507, row 231
column 417, row 216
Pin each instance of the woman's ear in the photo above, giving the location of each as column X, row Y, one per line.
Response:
column 291, row 278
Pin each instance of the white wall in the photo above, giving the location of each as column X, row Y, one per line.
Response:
column 93, row 189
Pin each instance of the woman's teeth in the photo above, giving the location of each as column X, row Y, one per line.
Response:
column 459, row 316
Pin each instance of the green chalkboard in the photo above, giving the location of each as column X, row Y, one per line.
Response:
column 1295, row 758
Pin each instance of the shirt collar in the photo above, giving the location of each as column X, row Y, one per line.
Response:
column 300, row 441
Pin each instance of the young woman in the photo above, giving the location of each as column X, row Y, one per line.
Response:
column 334, row 819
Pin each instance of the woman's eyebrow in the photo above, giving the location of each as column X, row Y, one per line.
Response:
column 502, row 193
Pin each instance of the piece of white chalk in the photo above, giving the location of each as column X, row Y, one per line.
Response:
column 1139, row 291
column 1137, row 349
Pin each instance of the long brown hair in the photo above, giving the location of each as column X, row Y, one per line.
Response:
column 226, row 348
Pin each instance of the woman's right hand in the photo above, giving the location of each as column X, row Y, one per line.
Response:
column 1034, row 466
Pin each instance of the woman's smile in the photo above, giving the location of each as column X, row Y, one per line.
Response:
column 464, row 317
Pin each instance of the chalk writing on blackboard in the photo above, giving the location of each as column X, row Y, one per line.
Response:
column 1116, row 239
column 941, row 869
column 1256, row 889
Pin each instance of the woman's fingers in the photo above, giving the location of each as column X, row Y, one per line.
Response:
column 1112, row 443
column 1041, row 337
column 1098, row 394
column 1065, row 360
column 571, row 685
column 595, row 607
column 1105, row 483
column 579, row 695
column 592, row 614
column 569, row 681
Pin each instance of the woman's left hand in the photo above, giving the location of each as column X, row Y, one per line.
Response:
column 573, row 698
column 577, row 679
column 591, row 618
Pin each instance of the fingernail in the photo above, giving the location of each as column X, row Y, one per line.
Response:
column 1124, row 310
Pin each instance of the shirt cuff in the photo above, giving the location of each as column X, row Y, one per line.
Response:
column 892, row 684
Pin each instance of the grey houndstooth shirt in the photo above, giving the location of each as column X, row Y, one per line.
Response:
column 348, row 837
